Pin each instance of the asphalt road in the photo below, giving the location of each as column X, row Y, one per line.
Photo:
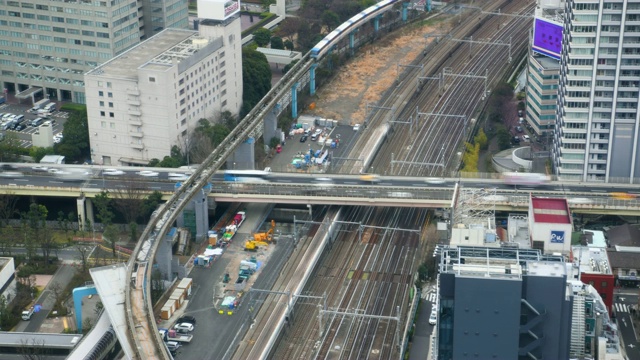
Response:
column 46, row 300
column 623, row 318
column 66, row 255
column 216, row 336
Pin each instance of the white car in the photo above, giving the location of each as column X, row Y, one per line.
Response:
column 356, row 127
column 55, row 171
column 178, row 177
column 40, row 168
column 11, row 174
column 112, row 172
column 434, row 180
column 184, row 327
column 434, row 317
column 148, row 173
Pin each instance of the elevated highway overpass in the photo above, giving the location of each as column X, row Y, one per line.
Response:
column 290, row 188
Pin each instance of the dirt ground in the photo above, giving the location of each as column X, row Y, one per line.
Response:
column 370, row 74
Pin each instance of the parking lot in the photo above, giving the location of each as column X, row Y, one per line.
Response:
column 293, row 147
column 58, row 118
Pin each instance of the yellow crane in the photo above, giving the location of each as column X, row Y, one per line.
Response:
column 266, row 236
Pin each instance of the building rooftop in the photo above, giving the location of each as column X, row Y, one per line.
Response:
column 507, row 263
column 546, row 62
column 624, row 235
column 549, row 210
column 623, row 260
column 161, row 51
column 590, row 260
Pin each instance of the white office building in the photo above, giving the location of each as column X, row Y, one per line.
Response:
column 596, row 133
column 46, row 46
column 149, row 98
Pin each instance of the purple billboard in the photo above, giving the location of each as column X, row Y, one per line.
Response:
column 547, row 38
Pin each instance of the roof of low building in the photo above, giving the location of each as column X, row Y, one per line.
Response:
column 549, row 210
column 624, row 235
column 623, row 260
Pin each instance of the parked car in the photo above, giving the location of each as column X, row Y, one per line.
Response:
column 356, row 127
column 526, row 138
column 519, row 129
column 173, row 346
column 187, row 319
column 303, row 138
column 184, row 327
column 433, row 318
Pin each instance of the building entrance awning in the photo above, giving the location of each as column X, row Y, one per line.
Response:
column 28, row 93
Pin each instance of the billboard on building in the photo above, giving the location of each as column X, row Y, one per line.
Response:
column 547, row 38
column 218, row 9
column 557, row 236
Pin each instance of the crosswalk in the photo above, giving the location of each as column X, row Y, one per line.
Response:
column 429, row 296
column 619, row 308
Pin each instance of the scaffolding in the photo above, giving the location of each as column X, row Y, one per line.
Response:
column 472, row 207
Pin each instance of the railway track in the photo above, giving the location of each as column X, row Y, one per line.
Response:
column 371, row 276
column 430, row 149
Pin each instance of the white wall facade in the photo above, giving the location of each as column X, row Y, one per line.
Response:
column 7, row 271
column 137, row 118
column 544, row 232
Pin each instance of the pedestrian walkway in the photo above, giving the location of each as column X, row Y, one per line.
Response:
column 619, row 308
column 429, row 296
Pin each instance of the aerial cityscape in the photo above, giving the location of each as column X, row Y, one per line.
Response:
column 320, row 179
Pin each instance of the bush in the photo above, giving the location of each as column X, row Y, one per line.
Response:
column 74, row 107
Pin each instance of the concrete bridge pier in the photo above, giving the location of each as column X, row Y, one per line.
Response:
column 428, row 6
column 270, row 129
column 376, row 23
column 85, row 212
column 164, row 255
column 195, row 216
column 352, row 41
column 405, row 6
column 294, row 102
column 312, row 79
column 244, row 156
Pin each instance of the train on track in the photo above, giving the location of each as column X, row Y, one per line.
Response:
column 349, row 26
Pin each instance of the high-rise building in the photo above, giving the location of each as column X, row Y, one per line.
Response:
column 146, row 100
column 502, row 303
column 542, row 93
column 597, row 125
column 46, row 46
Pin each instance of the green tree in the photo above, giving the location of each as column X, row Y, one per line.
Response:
column 102, row 204
column 256, row 77
column 481, row 139
column 169, row 162
column 277, row 43
column 288, row 44
column 274, row 142
column 330, row 19
column 37, row 153
column 10, row 149
column 75, row 143
column 228, row 119
column 110, row 234
column 262, row 36
column 288, row 67
column 133, row 232
column 150, row 204
column 504, row 139
column 38, row 231
column 153, row 162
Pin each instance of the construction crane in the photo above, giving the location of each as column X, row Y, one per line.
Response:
column 266, row 236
